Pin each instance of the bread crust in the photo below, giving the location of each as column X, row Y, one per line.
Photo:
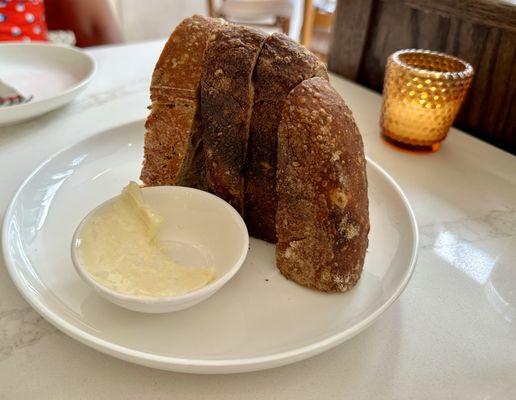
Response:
column 322, row 218
column 282, row 64
column 253, row 119
column 226, row 106
column 173, row 129
column 178, row 71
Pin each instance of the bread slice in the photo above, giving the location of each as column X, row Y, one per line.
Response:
column 322, row 218
column 226, row 106
column 282, row 65
column 173, row 126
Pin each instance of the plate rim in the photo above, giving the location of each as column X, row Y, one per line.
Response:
column 76, row 87
column 212, row 366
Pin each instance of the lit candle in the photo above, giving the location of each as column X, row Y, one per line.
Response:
column 422, row 94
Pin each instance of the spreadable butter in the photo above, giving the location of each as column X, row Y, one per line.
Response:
column 120, row 250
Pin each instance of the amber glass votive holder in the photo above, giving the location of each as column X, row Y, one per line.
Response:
column 422, row 93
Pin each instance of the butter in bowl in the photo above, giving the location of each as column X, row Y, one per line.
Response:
column 159, row 249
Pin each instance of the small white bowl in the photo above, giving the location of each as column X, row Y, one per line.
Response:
column 198, row 227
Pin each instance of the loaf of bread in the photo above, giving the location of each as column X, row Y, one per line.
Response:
column 253, row 119
column 322, row 219
column 282, row 65
column 226, row 107
column 173, row 127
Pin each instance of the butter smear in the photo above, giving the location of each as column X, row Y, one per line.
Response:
column 120, row 250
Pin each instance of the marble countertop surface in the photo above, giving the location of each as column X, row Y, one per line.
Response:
column 451, row 334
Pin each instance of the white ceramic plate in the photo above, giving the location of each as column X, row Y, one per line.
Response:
column 53, row 74
column 258, row 320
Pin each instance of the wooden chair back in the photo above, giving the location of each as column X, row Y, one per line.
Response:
column 314, row 18
column 482, row 32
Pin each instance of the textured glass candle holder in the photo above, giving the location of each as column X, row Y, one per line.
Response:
column 422, row 93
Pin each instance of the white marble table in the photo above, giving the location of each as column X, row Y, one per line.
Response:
column 451, row 335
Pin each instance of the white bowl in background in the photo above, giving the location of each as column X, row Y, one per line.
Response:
column 198, row 229
column 53, row 74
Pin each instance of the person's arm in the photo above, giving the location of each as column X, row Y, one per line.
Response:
column 92, row 21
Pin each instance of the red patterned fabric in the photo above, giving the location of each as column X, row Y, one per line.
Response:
column 22, row 20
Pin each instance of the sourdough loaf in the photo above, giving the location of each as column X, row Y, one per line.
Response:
column 253, row 119
column 173, row 128
column 226, row 106
column 322, row 219
column 282, row 65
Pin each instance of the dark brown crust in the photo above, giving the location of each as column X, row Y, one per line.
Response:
column 172, row 128
column 282, row 65
column 195, row 176
column 322, row 218
column 179, row 68
column 303, row 168
column 226, row 105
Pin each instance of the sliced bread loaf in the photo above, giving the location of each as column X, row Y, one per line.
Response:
column 226, row 106
column 282, row 65
column 322, row 218
column 173, row 127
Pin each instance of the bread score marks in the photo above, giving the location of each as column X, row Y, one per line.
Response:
column 282, row 64
column 172, row 129
column 322, row 218
column 226, row 105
